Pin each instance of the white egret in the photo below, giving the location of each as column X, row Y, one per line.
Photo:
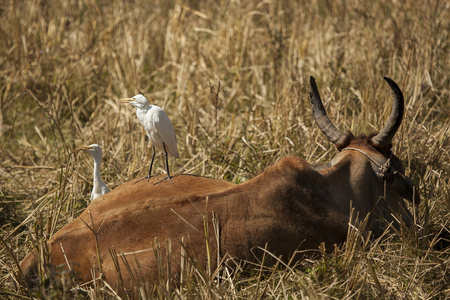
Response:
column 99, row 187
column 158, row 127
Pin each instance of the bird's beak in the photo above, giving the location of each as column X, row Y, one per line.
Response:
column 84, row 148
column 126, row 100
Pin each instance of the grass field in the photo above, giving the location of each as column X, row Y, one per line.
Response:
column 233, row 78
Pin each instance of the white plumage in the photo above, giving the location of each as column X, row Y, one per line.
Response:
column 158, row 127
column 99, row 187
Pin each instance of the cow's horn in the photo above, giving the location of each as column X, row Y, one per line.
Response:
column 320, row 115
column 385, row 136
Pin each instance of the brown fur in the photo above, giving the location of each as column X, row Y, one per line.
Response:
column 291, row 206
column 349, row 138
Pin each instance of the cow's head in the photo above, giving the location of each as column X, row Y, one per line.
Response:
column 377, row 176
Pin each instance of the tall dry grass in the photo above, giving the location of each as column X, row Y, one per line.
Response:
column 232, row 76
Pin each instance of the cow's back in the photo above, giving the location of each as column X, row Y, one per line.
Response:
column 127, row 220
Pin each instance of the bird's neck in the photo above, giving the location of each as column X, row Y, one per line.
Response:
column 97, row 178
column 141, row 112
column 143, row 108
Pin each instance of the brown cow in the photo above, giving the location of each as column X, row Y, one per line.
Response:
column 292, row 205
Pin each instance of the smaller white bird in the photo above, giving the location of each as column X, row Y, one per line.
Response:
column 158, row 127
column 99, row 187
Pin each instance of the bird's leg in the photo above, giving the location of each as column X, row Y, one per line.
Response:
column 167, row 166
column 151, row 165
column 167, row 163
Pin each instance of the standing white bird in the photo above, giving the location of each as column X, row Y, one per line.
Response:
column 158, row 127
column 99, row 187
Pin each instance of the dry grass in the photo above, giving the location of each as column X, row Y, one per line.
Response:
column 64, row 65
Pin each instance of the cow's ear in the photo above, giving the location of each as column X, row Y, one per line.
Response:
column 404, row 187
